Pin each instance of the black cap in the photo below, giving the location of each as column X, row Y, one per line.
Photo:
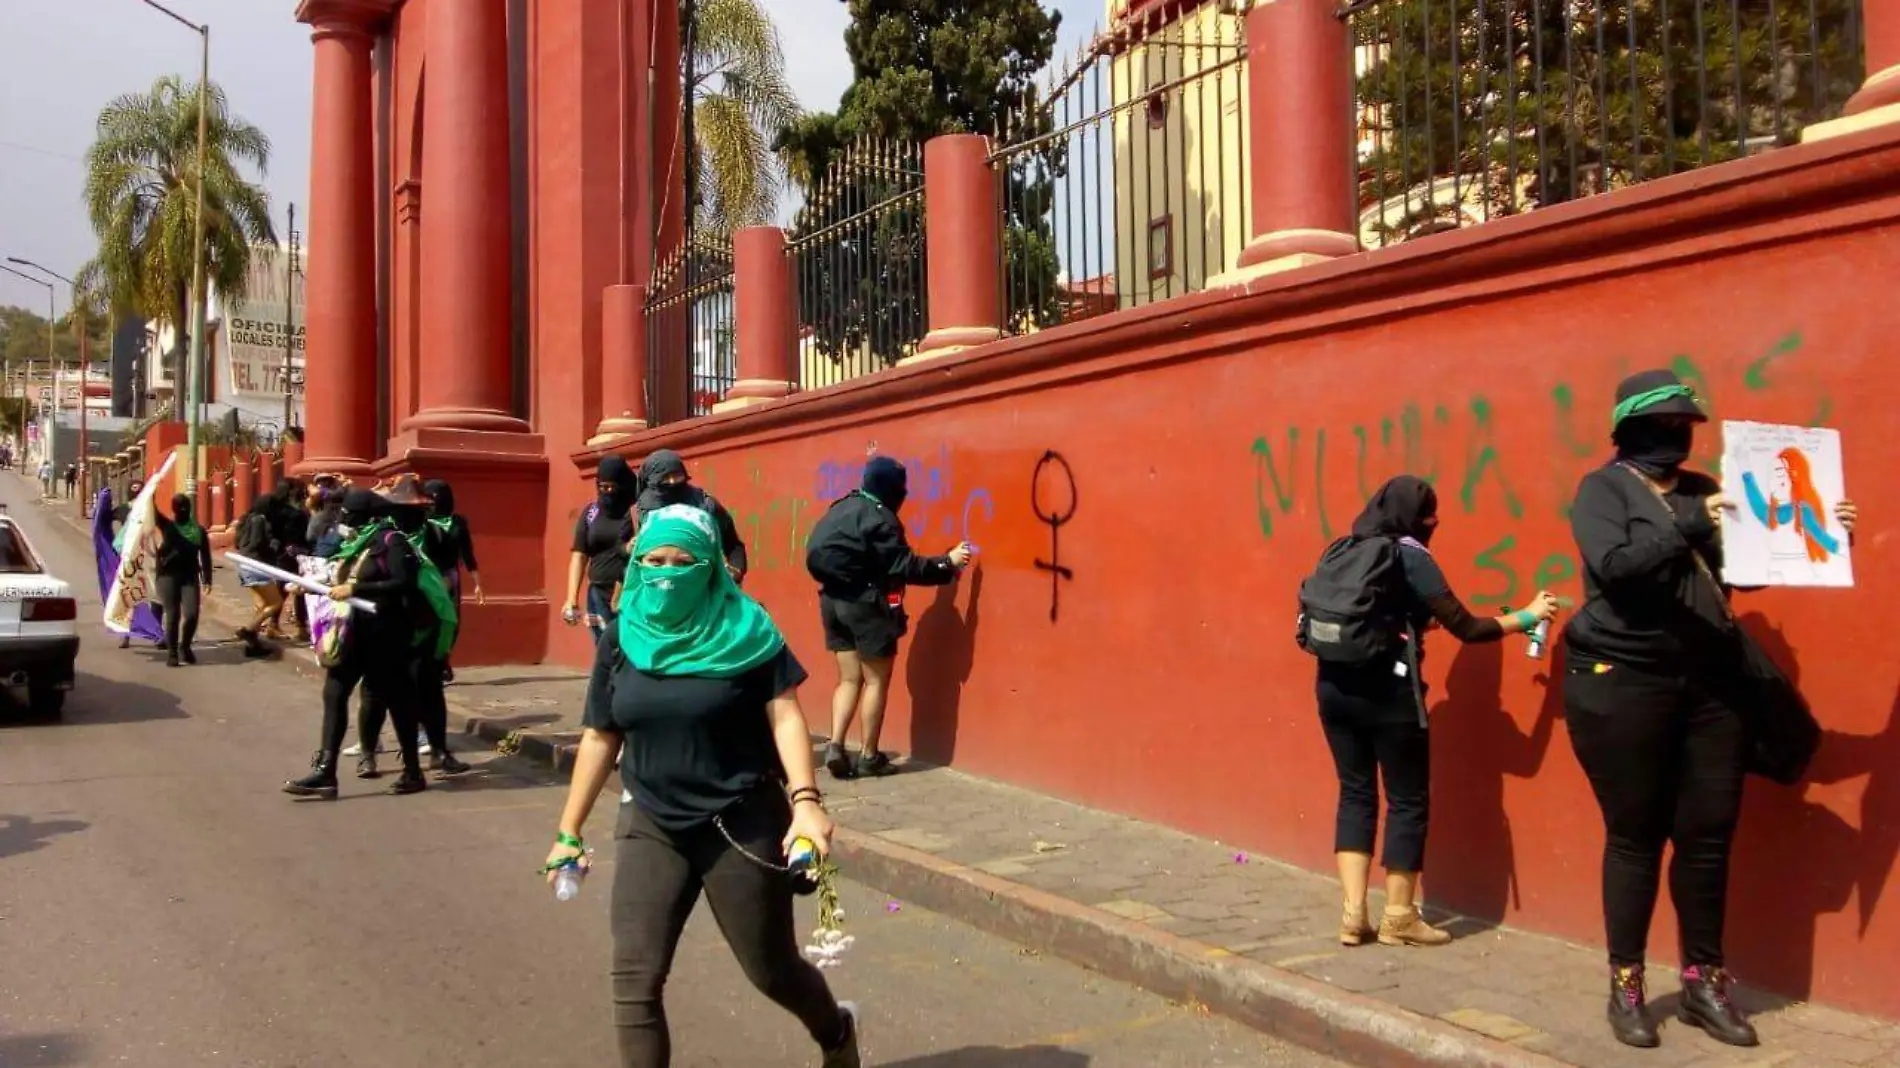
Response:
column 1646, row 381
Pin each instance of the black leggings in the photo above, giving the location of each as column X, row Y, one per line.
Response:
column 1372, row 727
column 1665, row 759
column 178, row 604
column 370, row 662
column 432, row 708
column 658, row 875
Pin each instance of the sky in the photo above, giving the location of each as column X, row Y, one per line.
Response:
column 61, row 61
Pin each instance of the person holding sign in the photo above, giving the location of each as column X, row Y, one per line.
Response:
column 1652, row 700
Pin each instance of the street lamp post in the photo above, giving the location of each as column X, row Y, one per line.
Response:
column 195, row 396
column 52, row 361
column 85, row 363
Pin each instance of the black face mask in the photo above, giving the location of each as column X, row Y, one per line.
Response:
column 1652, row 447
column 355, row 520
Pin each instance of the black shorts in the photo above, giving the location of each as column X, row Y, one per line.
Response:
column 867, row 629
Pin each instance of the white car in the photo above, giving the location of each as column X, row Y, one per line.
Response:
column 39, row 624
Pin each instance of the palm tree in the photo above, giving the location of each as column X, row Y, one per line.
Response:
column 741, row 103
column 142, row 191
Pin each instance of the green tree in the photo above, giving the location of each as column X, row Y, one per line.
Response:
column 141, row 195
column 1535, row 102
column 921, row 68
column 742, row 103
column 23, row 337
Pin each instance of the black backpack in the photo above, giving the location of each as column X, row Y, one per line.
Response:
column 835, row 554
column 1349, row 611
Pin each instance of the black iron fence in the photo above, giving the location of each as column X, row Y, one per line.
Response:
column 1124, row 181
column 691, row 332
column 1472, row 109
column 857, row 251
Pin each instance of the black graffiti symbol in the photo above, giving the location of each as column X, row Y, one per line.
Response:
column 1052, row 461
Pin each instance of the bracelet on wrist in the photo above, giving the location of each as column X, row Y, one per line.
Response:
column 805, row 792
column 1525, row 620
column 566, row 839
column 813, row 798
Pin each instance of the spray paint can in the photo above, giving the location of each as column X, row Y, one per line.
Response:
column 1540, row 636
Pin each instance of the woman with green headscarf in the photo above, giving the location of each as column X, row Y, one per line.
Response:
column 717, row 783
column 1652, row 662
column 183, row 572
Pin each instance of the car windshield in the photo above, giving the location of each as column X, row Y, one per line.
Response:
column 16, row 557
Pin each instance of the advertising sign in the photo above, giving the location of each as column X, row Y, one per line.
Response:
column 254, row 329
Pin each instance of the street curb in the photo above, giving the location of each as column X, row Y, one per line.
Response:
column 1338, row 1023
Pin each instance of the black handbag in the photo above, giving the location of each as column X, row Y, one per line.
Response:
column 1783, row 734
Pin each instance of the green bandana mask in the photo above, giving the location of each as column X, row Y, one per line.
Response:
column 1648, row 399
column 191, row 532
column 361, row 539
column 691, row 620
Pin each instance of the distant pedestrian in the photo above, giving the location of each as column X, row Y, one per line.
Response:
column 184, row 576
column 1364, row 613
column 451, row 545
column 46, row 478
column 664, row 481
column 1652, row 702
column 862, row 561
column 599, row 557
column 697, row 683
column 256, row 540
column 72, row 480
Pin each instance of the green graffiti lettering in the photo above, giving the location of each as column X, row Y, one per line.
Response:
column 1692, row 376
column 1412, row 430
column 1319, row 484
column 1756, row 377
column 1490, row 560
column 1567, row 441
column 1555, row 570
column 1365, row 494
column 796, row 542
column 1822, row 411
column 1485, row 458
column 1264, row 469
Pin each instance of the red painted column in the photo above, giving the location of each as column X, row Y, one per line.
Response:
column 340, row 384
column 243, row 485
column 293, row 454
column 765, row 315
column 963, row 234
column 623, row 362
column 1300, row 135
column 467, row 367
column 1881, row 90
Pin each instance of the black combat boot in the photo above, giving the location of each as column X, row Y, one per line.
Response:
column 1629, row 1008
column 1706, row 1004
column 321, row 782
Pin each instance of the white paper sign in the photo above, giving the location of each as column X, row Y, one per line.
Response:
column 1783, row 483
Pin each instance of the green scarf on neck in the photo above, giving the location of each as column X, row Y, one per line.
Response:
column 691, row 620
column 190, row 531
column 362, row 539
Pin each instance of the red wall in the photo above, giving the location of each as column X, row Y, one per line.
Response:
column 1196, row 457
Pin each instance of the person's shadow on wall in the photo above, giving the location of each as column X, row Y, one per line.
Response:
column 1476, row 744
column 1796, row 859
column 942, row 652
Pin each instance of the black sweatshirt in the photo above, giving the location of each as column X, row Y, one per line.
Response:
column 1647, row 606
column 451, row 548
column 179, row 556
column 385, row 576
column 867, row 542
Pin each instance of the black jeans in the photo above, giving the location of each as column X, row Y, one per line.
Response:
column 658, row 875
column 178, row 605
column 379, row 663
column 1666, row 761
column 1372, row 727
column 432, row 707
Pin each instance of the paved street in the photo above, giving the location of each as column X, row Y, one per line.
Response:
column 161, row 904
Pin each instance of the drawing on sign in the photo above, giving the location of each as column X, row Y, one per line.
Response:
column 1785, row 482
column 1060, row 476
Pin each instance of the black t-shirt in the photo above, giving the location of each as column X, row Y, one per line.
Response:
column 695, row 746
column 603, row 540
column 1647, row 605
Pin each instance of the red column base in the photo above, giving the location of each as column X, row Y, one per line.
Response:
column 945, row 341
column 1284, row 250
column 485, row 420
column 501, row 485
column 350, row 467
column 1876, row 104
column 749, row 391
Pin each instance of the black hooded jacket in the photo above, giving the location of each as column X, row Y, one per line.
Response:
column 1400, row 509
column 859, row 551
column 656, row 494
column 450, row 543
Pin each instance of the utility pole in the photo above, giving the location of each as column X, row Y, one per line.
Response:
column 290, row 314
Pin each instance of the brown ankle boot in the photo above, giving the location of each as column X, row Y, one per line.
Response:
column 1354, row 928
column 1409, row 928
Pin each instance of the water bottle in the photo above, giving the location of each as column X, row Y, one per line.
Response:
column 567, row 880
column 1540, row 635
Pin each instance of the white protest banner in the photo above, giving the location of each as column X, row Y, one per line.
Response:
column 302, row 582
column 1783, row 483
column 138, row 555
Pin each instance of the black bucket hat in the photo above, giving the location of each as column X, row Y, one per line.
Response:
column 1658, row 392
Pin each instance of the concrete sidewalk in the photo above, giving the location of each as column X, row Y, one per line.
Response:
column 1203, row 922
